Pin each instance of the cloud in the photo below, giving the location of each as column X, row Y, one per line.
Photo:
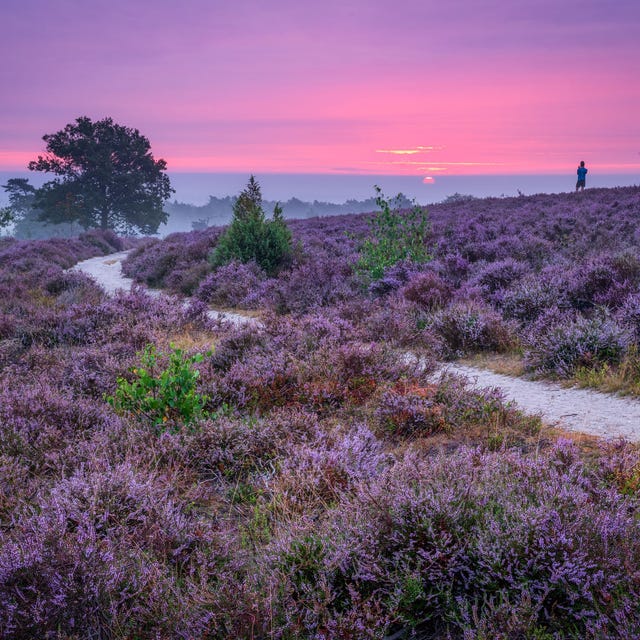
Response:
column 413, row 151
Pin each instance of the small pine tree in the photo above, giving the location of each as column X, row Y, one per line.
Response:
column 252, row 237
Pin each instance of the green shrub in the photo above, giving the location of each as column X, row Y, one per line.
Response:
column 395, row 236
column 166, row 396
column 252, row 237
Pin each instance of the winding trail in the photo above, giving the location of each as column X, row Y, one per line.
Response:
column 107, row 272
column 581, row 410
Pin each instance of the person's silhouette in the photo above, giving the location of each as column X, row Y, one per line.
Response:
column 582, row 175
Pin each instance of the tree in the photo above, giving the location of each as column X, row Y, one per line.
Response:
column 107, row 178
column 395, row 235
column 251, row 237
column 21, row 196
column 27, row 219
column 6, row 217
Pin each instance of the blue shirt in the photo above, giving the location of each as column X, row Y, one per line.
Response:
column 582, row 173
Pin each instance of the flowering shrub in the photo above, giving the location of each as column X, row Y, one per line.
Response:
column 453, row 266
column 395, row 321
column 312, row 285
column 323, row 372
column 629, row 315
column 428, row 290
column 405, row 410
column 451, row 547
column 107, row 550
column 345, row 491
column 520, row 256
column 531, row 297
column 591, row 282
column 468, row 327
column 499, row 275
column 178, row 262
column 394, row 277
column 562, row 347
column 321, row 470
column 230, row 285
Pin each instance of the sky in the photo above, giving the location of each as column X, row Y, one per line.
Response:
column 423, row 88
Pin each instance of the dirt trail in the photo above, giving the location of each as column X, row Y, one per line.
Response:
column 581, row 410
column 107, row 272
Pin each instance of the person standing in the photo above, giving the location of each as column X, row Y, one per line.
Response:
column 582, row 176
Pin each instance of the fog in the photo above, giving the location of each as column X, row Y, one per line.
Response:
column 195, row 188
column 203, row 199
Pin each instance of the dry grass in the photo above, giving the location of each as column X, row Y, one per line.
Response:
column 190, row 340
column 507, row 364
column 247, row 313
column 623, row 379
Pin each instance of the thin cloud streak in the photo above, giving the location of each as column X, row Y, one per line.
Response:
column 410, row 151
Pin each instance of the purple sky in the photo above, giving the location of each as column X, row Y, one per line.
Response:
column 413, row 87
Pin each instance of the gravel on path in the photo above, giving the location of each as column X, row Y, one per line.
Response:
column 580, row 410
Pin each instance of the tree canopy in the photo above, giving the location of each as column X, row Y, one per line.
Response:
column 107, row 177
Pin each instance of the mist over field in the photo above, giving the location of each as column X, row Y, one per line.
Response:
column 195, row 188
column 205, row 199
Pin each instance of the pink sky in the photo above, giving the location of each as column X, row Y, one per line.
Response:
column 333, row 86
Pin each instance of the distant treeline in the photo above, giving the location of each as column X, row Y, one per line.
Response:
column 218, row 211
column 188, row 217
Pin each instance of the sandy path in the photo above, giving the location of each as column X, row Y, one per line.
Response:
column 107, row 272
column 579, row 410
column 583, row 410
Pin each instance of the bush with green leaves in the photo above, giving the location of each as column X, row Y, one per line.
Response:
column 253, row 237
column 395, row 235
column 163, row 390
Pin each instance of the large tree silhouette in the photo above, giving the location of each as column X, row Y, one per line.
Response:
column 106, row 177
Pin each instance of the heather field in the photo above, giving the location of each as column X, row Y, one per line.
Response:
column 165, row 475
column 552, row 279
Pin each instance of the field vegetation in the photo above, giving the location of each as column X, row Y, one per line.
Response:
column 166, row 475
